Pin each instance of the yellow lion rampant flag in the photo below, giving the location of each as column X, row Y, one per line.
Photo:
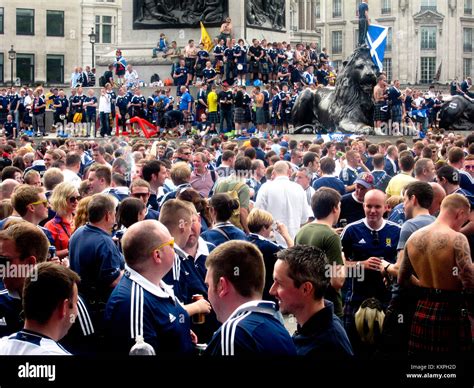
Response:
column 206, row 39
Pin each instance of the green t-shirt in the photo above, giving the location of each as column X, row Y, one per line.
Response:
column 230, row 184
column 324, row 238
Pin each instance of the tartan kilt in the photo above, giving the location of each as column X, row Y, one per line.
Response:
column 396, row 113
column 267, row 115
column 276, row 66
column 440, row 325
column 264, row 68
column 219, row 67
column 260, row 116
column 213, row 117
column 248, row 114
column 199, row 69
column 379, row 114
column 244, row 68
column 239, row 115
column 253, row 67
column 189, row 64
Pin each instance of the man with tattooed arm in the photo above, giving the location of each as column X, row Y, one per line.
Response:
column 438, row 260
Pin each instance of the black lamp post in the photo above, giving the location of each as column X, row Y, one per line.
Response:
column 11, row 57
column 92, row 41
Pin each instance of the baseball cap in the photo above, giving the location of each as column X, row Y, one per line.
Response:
column 365, row 179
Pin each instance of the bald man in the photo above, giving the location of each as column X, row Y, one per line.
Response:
column 438, row 195
column 366, row 244
column 142, row 305
column 7, row 187
column 285, row 200
column 438, row 259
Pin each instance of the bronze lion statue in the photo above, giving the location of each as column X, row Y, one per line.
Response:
column 348, row 107
column 457, row 114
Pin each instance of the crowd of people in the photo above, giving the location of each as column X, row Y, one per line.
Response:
column 206, row 245
column 182, row 245
column 221, row 102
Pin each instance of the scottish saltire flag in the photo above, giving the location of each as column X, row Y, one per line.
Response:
column 337, row 137
column 377, row 38
column 421, row 113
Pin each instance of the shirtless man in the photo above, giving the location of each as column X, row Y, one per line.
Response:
column 226, row 31
column 190, row 55
column 380, row 103
column 437, row 259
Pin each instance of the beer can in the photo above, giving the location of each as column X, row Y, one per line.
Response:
column 199, row 318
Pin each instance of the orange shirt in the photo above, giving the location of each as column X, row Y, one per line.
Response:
column 61, row 231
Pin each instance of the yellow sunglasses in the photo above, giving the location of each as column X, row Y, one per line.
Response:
column 170, row 243
column 43, row 202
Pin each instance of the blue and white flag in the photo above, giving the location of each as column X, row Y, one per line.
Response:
column 337, row 137
column 377, row 38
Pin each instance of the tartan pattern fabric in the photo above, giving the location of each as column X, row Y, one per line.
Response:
column 397, row 113
column 440, row 326
column 379, row 114
column 239, row 115
column 213, row 117
column 264, row 68
column 349, row 310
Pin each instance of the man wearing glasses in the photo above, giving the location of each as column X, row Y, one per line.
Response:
column 469, row 165
column 141, row 189
column 142, row 305
column 365, row 244
column 30, row 205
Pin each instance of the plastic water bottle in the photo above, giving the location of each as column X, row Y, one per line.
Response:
column 141, row 348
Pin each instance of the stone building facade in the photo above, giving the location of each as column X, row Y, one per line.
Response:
column 45, row 36
column 428, row 40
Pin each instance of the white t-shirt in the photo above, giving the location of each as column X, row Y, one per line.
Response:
column 287, row 203
column 27, row 343
column 104, row 103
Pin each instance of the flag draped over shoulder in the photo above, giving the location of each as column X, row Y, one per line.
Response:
column 206, row 39
column 377, row 38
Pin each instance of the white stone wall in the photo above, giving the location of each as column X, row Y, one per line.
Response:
column 39, row 44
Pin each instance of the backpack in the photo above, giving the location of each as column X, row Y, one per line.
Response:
column 102, row 81
column 234, row 194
